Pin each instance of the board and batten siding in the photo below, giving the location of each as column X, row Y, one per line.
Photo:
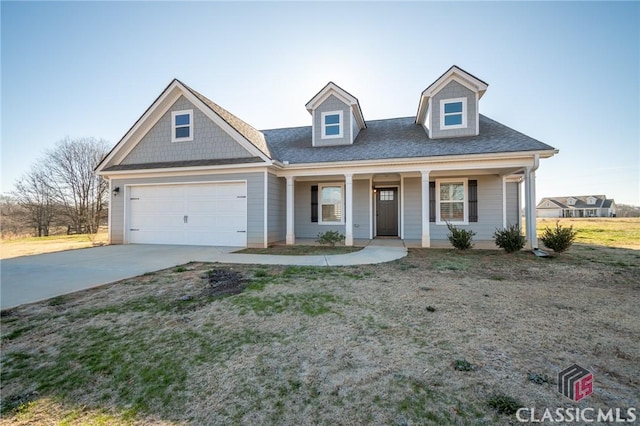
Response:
column 331, row 104
column 361, row 209
column 453, row 90
column 277, row 208
column 412, row 208
column 255, row 201
column 513, row 204
column 209, row 142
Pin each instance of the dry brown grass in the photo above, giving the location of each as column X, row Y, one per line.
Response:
column 354, row 345
column 37, row 245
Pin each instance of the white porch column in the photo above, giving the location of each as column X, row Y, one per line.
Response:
column 291, row 238
column 426, row 236
column 530, row 207
column 348, row 217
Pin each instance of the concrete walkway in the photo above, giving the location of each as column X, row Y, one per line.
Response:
column 33, row 278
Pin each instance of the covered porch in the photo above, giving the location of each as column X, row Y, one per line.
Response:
column 411, row 205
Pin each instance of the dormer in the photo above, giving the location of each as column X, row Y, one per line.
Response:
column 591, row 201
column 571, row 201
column 336, row 116
column 448, row 108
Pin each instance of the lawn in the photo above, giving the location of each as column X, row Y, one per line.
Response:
column 37, row 245
column 611, row 232
column 439, row 337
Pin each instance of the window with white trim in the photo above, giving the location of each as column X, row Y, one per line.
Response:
column 452, row 201
column 331, row 124
column 331, row 201
column 182, row 126
column 453, row 113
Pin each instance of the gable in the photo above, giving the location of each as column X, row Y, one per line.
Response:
column 454, row 91
column 332, row 105
column 210, row 141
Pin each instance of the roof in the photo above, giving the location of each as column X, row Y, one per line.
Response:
column 398, row 138
column 581, row 202
column 344, row 95
column 246, row 130
column 190, row 163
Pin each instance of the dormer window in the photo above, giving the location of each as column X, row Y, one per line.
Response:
column 453, row 113
column 591, row 201
column 182, row 126
column 571, row 201
column 332, row 125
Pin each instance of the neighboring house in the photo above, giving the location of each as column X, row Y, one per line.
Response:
column 576, row 206
column 190, row 172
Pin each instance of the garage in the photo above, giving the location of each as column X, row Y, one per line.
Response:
column 211, row 214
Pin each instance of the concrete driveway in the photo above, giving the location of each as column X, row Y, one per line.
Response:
column 32, row 278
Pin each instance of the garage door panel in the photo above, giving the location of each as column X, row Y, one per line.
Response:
column 200, row 214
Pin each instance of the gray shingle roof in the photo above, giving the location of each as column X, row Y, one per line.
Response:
column 581, row 201
column 398, row 138
column 189, row 163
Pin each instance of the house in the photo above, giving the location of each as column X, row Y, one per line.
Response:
column 190, row 172
column 576, row 206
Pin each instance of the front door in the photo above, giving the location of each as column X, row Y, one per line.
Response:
column 387, row 212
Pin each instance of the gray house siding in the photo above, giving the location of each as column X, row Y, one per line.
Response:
column 209, row 141
column 355, row 128
column 412, row 208
column 332, row 103
column 277, row 208
column 450, row 91
column 255, row 201
column 361, row 209
column 513, row 205
column 489, row 210
column 304, row 228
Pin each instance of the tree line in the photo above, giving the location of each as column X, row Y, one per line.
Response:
column 60, row 189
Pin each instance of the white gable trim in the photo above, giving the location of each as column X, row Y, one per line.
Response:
column 333, row 89
column 157, row 110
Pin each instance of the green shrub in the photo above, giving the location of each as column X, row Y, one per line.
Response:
column 510, row 239
column 504, row 404
column 558, row 239
column 460, row 238
column 330, row 237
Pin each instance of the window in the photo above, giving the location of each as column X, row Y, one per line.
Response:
column 331, row 203
column 386, row 195
column 453, row 113
column 571, row 201
column 452, row 202
column 182, row 126
column 472, row 202
column 331, row 125
column 591, row 201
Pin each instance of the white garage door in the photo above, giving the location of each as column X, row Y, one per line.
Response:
column 212, row 214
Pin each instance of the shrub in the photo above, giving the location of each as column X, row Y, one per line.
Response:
column 330, row 237
column 510, row 239
column 460, row 238
column 504, row 404
column 558, row 239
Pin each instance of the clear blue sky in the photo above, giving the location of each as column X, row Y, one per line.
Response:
column 565, row 73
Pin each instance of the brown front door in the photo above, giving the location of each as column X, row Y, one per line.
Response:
column 387, row 212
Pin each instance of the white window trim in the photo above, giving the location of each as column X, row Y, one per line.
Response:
column 465, row 182
column 173, row 125
column 464, row 114
column 324, row 135
column 323, row 185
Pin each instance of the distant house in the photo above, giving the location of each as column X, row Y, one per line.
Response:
column 576, row 206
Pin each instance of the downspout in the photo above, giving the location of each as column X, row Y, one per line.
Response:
column 531, row 200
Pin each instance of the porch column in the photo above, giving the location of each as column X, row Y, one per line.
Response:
column 291, row 238
column 530, row 207
column 504, row 202
column 426, row 237
column 348, row 217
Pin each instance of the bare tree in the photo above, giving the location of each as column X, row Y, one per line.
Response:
column 83, row 194
column 34, row 194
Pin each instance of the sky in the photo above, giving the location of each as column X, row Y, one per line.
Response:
column 565, row 73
